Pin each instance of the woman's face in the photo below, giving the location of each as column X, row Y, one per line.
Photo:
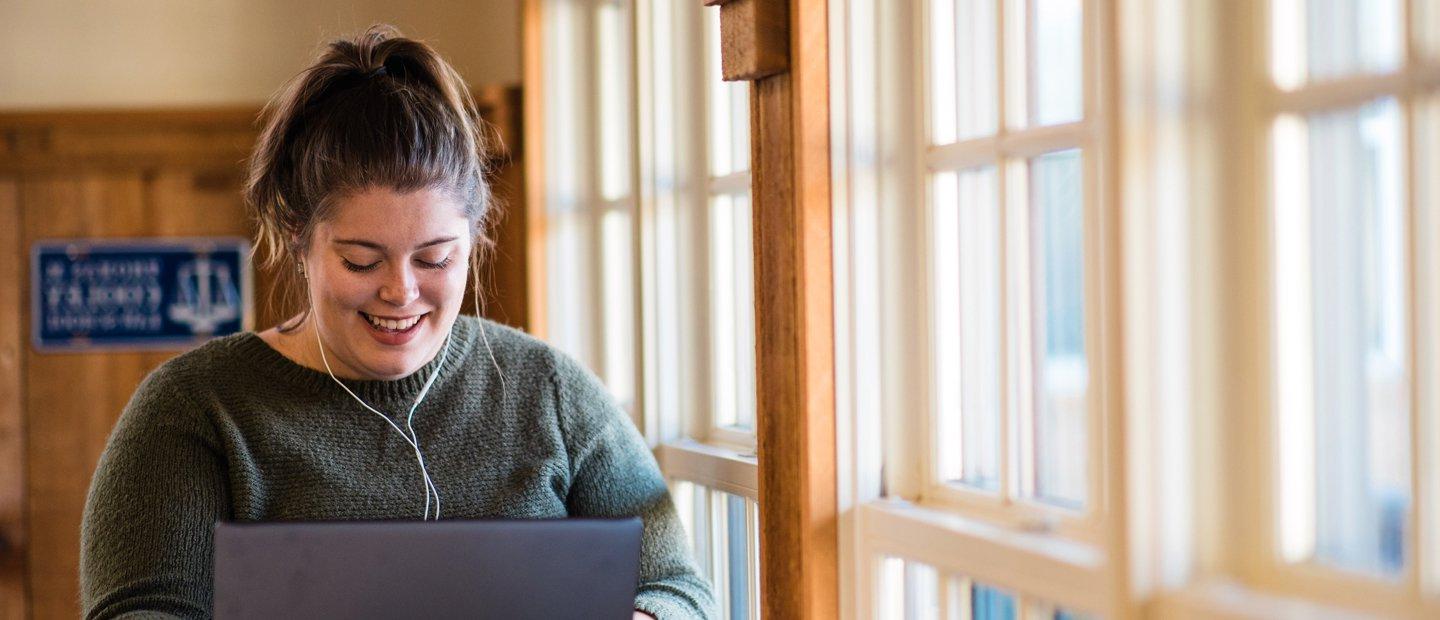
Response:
column 386, row 274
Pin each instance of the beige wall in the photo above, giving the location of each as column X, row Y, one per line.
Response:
column 169, row 53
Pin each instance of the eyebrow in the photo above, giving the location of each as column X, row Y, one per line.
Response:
column 375, row 246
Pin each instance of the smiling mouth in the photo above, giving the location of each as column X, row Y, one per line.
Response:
column 391, row 325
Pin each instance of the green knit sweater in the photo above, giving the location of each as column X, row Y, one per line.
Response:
column 233, row 430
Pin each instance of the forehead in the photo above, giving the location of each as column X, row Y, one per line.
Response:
column 395, row 219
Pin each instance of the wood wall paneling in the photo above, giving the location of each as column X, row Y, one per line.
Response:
column 506, row 278
column 66, row 427
column 13, row 539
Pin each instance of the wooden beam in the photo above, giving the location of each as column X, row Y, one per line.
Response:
column 790, row 148
column 754, row 38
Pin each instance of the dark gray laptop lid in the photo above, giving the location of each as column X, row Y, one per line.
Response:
column 562, row 568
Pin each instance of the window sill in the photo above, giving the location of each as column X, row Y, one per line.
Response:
column 1226, row 599
column 720, row 467
column 1071, row 574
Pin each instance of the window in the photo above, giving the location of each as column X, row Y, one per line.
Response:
column 970, row 271
column 1350, row 120
column 648, row 252
column 917, row 591
column 590, row 200
column 1009, row 193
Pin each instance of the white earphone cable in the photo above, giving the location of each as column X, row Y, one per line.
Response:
column 411, row 438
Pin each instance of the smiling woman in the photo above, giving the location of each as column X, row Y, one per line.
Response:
column 383, row 282
column 368, row 186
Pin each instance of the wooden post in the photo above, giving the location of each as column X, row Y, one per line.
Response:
column 782, row 46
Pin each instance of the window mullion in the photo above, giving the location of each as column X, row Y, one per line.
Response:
column 1007, row 480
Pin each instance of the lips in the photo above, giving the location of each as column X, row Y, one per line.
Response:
column 392, row 330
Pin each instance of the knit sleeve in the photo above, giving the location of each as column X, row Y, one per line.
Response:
column 146, row 539
column 614, row 474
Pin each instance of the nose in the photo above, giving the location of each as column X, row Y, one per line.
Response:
column 401, row 287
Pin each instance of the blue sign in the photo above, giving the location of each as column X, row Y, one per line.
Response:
column 137, row 293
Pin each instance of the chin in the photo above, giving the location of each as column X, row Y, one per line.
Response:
column 392, row 367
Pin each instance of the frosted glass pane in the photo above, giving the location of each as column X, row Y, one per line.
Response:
column 1061, row 372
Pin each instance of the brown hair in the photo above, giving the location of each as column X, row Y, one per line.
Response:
column 374, row 110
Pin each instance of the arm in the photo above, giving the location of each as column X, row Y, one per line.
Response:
column 147, row 536
column 614, row 474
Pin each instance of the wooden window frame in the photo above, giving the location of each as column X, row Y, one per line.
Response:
column 1044, row 556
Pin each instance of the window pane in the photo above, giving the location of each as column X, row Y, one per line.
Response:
column 922, row 592
column 613, row 68
column 1044, row 64
column 737, row 538
column 1342, row 337
column 732, row 312
column 1327, row 39
column 1061, row 373
column 968, row 330
column 962, row 81
column 566, row 246
column 988, row 603
column 1426, row 28
column 729, row 108
column 619, row 305
column 943, row 111
column 890, row 591
column 744, row 314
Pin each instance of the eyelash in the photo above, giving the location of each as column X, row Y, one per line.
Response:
column 371, row 267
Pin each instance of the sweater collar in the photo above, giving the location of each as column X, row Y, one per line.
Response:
column 254, row 350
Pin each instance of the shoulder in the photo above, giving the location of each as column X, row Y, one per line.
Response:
column 518, row 352
column 525, row 358
column 166, row 400
column 214, row 356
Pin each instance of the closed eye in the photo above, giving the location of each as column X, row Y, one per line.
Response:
column 360, row 268
column 440, row 265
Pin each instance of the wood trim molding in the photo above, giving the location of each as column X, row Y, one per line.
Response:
column 795, row 352
column 532, row 68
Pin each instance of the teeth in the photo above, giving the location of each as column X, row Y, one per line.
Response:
column 393, row 325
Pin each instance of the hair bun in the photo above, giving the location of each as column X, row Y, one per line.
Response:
column 394, row 66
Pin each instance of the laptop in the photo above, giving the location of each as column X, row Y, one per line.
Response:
column 559, row 568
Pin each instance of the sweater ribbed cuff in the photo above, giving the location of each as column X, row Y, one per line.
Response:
column 665, row 606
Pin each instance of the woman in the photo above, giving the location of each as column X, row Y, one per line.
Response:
column 377, row 401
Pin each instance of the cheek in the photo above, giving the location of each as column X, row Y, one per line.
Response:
column 347, row 293
column 448, row 288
